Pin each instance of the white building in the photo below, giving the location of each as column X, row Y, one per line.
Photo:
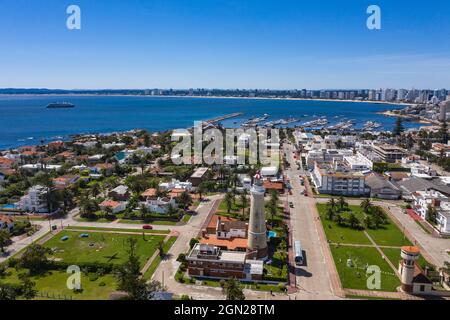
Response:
column 326, row 155
column 423, row 199
column 40, row 166
column 231, row 229
column 113, row 145
column 176, row 184
column 346, row 141
column 443, row 218
column 358, row 162
column 160, row 205
column 335, row 179
column 115, row 206
column 35, row 200
column 269, row 172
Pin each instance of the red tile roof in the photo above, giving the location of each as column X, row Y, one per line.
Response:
column 232, row 244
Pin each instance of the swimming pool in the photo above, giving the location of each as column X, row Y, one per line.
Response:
column 271, row 234
column 8, row 206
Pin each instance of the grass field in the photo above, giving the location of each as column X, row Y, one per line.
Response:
column 100, row 247
column 389, row 235
column 355, row 277
column 338, row 234
column 52, row 285
column 394, row 256
column 156, row 222
column 119, row 230
column 386, row 235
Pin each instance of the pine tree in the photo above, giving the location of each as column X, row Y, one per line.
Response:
column 443, row 132
column 398, row 129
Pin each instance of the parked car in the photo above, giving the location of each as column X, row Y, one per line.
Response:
column 147, row 227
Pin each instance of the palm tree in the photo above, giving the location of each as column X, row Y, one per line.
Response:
column 274, row 197
column 201, row 189
column 342, row 203
column 144, row 211
column 272, row 207
column 243, row 199
column 332, row 203
column 184, row 200
column 353, row 221
column 330, row 214
column 366, row 205
column 5, row 239
column 229, row 201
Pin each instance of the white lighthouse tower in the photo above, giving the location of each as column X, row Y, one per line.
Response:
column 257, row 234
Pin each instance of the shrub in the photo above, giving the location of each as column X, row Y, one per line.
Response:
column 102, row 284
column 93, row 277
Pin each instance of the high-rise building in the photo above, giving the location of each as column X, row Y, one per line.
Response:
column 257, row 233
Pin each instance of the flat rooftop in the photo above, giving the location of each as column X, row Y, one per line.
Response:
column 199, row 172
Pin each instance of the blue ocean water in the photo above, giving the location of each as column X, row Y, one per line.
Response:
column 24, row 120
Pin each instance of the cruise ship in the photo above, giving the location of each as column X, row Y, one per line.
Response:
column 60, row 105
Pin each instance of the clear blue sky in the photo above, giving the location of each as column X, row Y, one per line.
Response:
column 227, row 44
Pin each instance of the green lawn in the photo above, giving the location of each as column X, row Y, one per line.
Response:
column 394, row 256
column 340, row 234
column 386, row 235
column 389, row 235
column 353, row 278
column 119, row 229
column 100, row 247
column 156, row 222
column 53, row 285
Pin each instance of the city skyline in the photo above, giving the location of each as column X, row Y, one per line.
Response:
column 213, row 44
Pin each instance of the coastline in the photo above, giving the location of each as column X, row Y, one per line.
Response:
column 208, row 97
column 412, row 118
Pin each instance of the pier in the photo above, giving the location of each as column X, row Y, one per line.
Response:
column 225, row 117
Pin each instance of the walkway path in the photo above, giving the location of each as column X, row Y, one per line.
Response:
column 382, row 254
column 153, row 257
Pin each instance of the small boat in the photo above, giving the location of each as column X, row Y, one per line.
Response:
column 60, row 105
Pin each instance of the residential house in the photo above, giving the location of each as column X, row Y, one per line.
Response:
column 424, row 199
column 115, row 206
column 159, row 205
column 6, row 163
column 6, row 223
column 120, row 193
column 65, row 181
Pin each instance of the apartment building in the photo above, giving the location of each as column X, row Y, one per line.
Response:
column 336, row 179
column 326, row 155
column 388, row 153
column 35, row 200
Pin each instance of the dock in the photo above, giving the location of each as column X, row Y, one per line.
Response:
column 225, row 117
